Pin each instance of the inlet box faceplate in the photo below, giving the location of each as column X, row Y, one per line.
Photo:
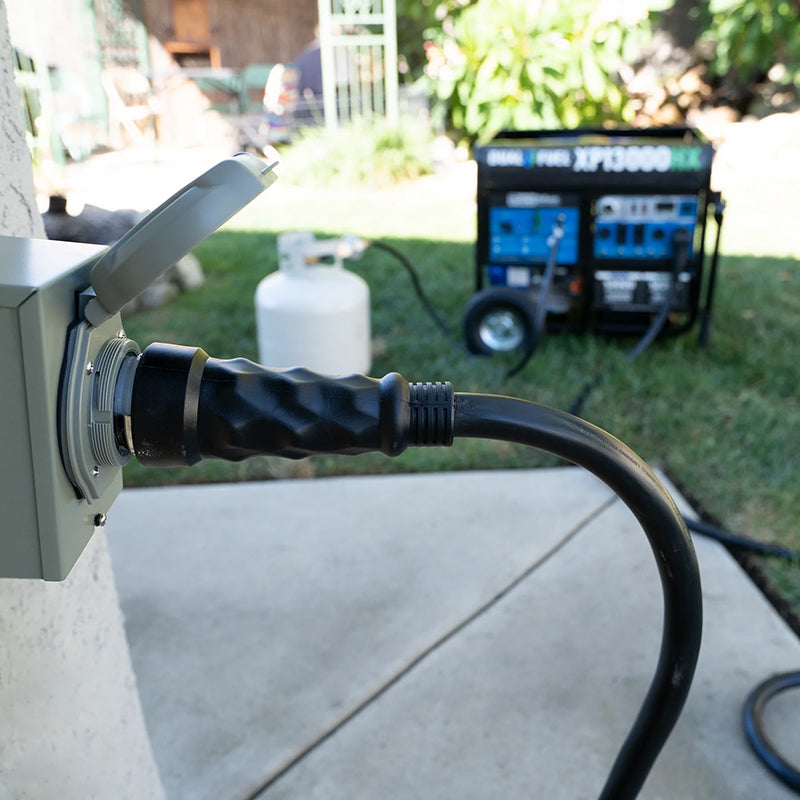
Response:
column 44, row 525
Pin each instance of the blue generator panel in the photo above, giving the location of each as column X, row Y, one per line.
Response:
column 642, row 226
column 518, row 240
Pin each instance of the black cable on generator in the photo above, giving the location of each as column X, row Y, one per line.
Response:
column 543, row 297
column 681, row 240
column 184, row 407
column 705, row 322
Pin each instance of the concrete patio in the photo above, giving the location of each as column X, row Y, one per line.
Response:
column 459, row 635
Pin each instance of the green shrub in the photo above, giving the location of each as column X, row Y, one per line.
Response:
column 531, row 64
column 751, row 37
column 414, row 18
column 368, row 151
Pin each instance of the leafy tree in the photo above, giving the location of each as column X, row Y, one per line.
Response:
column 414, row 19
column 751, row 37
column 498, row 64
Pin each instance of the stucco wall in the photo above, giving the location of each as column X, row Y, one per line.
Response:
column 71, row 724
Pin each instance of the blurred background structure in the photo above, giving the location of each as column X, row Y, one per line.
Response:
column 114, row 73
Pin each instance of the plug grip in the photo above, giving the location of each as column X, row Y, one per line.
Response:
column 186, row 407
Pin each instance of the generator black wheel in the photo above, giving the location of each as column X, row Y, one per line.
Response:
column 499, row 320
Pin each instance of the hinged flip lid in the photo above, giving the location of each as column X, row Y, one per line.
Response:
column 167, row 234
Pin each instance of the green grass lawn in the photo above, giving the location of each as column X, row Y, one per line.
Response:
column 723, row 421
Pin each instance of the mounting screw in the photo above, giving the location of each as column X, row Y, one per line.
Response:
column 120, row 334
column 95, row 471
column 100, row 520
column 89, row 368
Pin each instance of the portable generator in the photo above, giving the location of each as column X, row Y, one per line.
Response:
column 590, row 230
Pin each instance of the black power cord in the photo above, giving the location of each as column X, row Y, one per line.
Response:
column 755, row 703
column 754, row 728
column 753, row 708
column 419, row 291
column 681, row 241
column 583, row 444
column 705, row 322
column 648, row 337
column 737, row 542
column 183, row 406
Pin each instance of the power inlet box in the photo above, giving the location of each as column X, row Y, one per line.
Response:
column 631, row 209
column 45, row 526
column 64, row 355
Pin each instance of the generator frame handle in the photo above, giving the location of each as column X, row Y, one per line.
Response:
column 719, row 215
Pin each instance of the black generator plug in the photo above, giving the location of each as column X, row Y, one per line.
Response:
column 175, row 405
column 185, row 406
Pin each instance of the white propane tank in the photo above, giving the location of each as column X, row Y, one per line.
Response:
column 311, row 313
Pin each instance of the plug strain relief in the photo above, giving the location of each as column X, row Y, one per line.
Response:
column 393, row 416
column 431, row 410
column 165, row 405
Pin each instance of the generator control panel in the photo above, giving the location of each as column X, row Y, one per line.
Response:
column 519, row 229
column 642, row 226
column 633, row 206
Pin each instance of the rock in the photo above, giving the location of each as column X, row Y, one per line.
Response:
column 96, row 225
column 93, row 225
column 187, row 273
column 713, row 123
column 157, row 294
column 668, row 114
column 695, row 82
